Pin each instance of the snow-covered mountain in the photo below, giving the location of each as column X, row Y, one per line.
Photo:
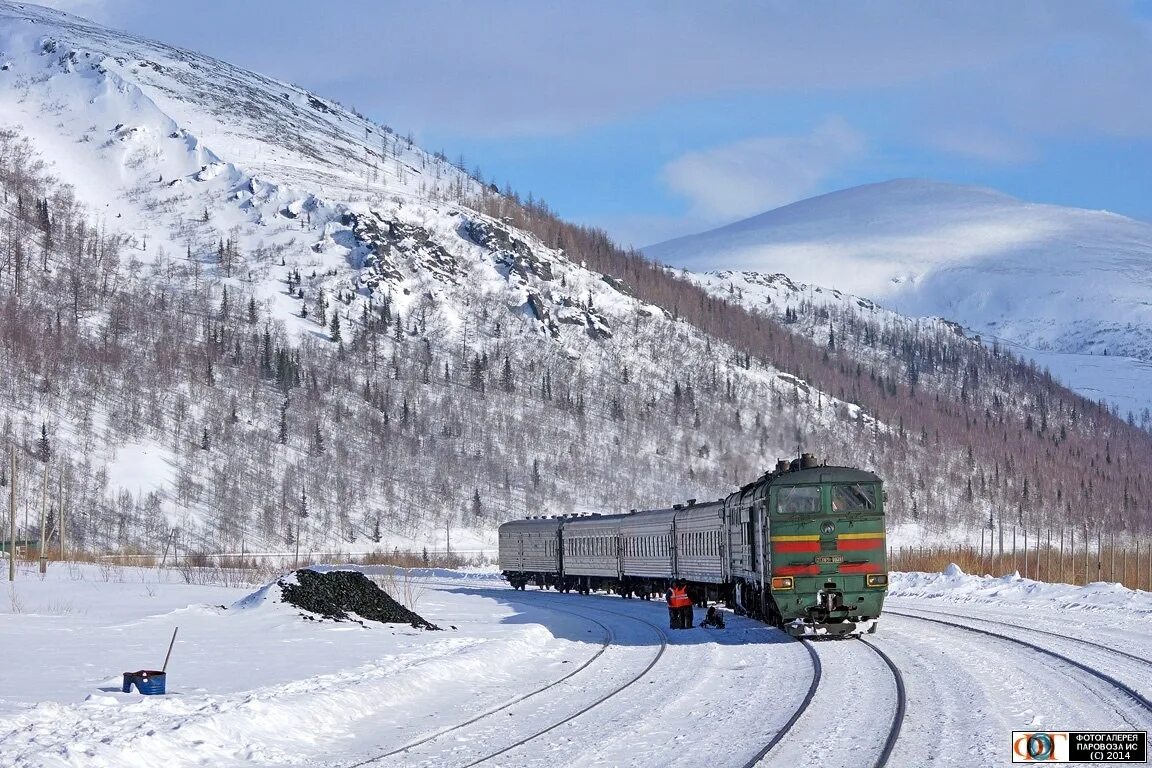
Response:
column 1125, row 383
column 1050, row 280
column 470, row 354
column 255, row 319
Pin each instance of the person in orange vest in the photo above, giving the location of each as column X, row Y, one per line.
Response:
column 679, row 606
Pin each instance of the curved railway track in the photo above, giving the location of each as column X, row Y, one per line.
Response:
column 817, row 668
column 609, row 638
column 1117, row 684
column 817, row 671
column 1023, row 628
column 901, row 707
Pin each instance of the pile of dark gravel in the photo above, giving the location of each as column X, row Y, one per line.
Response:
column 337, row 594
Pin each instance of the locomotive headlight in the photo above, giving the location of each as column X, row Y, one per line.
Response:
column 781, row 582
column 877, row 580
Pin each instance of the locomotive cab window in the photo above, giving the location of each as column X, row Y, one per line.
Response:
column 799, row 500
column 856, row 497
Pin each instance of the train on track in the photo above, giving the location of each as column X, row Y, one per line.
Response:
column 802, row 548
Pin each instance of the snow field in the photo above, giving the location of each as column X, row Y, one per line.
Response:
column 254, row 684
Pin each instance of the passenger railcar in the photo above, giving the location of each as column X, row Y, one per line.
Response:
column 802, row 547
column 530, row 551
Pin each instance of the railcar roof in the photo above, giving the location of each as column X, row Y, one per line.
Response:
column 542, row 522
column 817, row 475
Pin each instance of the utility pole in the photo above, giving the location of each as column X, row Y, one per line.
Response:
column 43, row 524
column 448, row 541
column 12, row 510
column 63, row 540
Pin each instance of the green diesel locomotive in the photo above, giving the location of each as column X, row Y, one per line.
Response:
column 807, row 548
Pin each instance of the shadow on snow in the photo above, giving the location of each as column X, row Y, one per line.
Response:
column 571, row 617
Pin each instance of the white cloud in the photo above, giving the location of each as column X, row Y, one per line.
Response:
column 755, row 175
column 981, row 142
column 515, row 67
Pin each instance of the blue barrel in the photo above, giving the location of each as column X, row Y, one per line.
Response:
column 147, row 681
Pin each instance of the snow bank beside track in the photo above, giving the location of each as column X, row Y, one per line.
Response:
column 954, row 585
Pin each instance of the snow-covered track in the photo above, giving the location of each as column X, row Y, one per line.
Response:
column 1024, row 628
column 847, row 725
column 817, row 670
column 1112, row 681
column 901, row 706
column 605, row 644
column 663, row 638
column 407, row 752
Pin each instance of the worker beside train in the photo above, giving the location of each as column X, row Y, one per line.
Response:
column 679, row 605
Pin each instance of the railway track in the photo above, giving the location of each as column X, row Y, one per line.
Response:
column 817, row 671
column 897, row 717
column 1117, row 684
column 1024, row 628
column 901, row 707
column 608, row 642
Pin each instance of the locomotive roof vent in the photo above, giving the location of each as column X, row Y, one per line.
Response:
column 677, row 506
column 631, row 511
column 691, row 502
column 781, row 466
column 808, row 461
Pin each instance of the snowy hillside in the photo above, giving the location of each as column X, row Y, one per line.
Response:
column 372, row 361
column 243, row 319
column 1123, row 382
column 1053, row 279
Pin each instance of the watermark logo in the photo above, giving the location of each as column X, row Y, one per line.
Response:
column 1040, row 747
column 1079, row 746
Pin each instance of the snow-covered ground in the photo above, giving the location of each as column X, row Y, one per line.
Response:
column 545, row 679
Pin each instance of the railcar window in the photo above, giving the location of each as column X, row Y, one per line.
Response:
column 853, row 497
column 799, row 500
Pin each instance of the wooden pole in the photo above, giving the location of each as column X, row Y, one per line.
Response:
column 1025, row 551
column 12, row 511
column 1088, row 552
column 1039, row 576
column 1100, row 553
column 63, row 531
column 1072, row 552
column 1061, row 579
column 1048, row 557
column 1124, row 567
column 1136, row 581
column 1112, row 556
column 43, row 523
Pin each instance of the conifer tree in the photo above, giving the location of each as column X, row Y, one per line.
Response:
column 282, row 438
column 43, row 448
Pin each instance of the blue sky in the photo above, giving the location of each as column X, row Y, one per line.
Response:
column 658, row 119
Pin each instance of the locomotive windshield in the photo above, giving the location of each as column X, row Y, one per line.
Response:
column 854, row 497
column 799, row 500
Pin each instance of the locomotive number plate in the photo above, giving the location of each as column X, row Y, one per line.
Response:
column 826, row 559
